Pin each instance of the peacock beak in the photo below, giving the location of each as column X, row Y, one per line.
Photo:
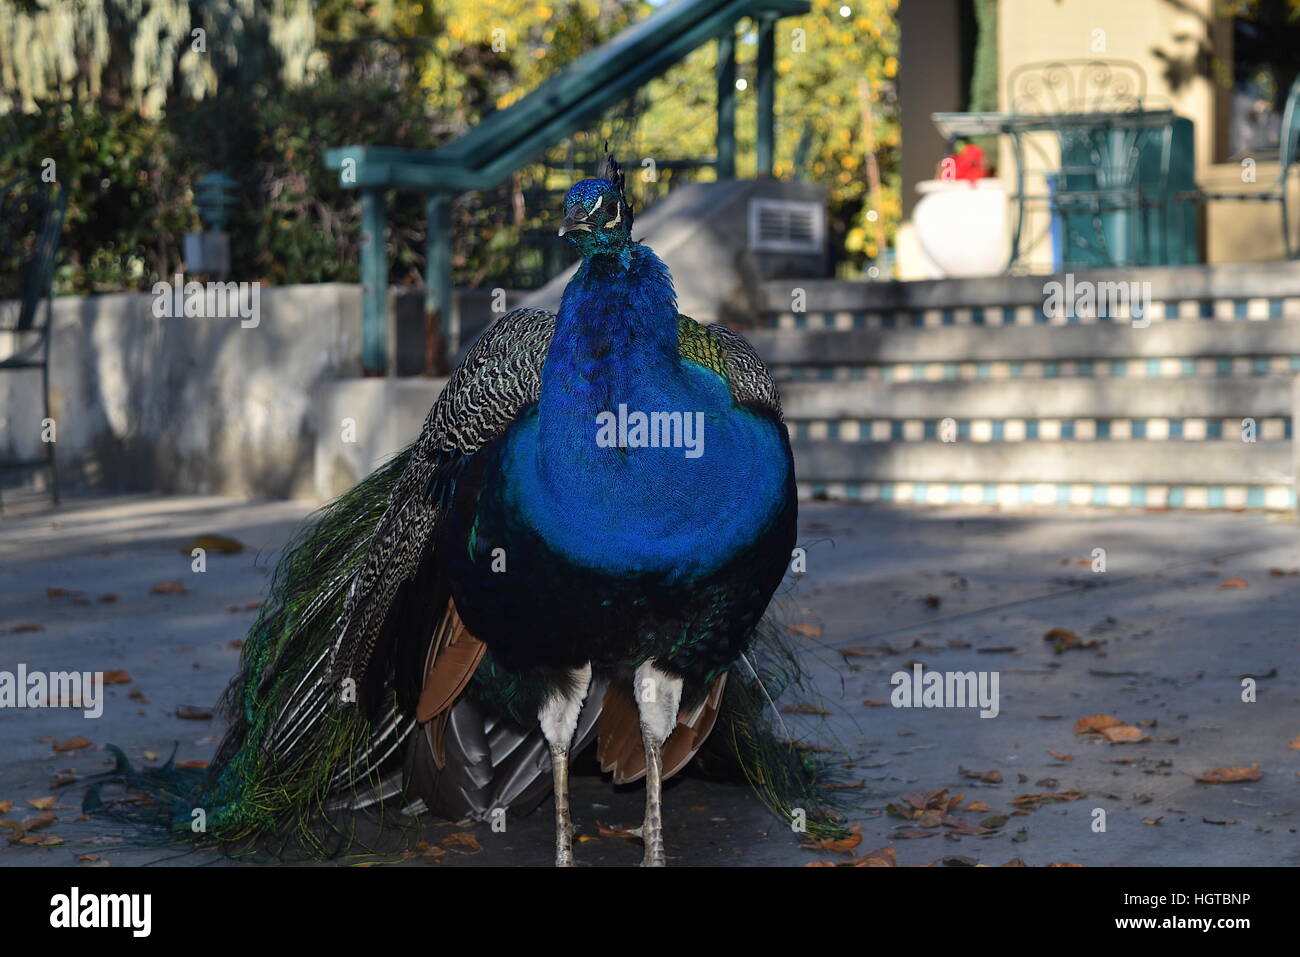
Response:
column 571, row 225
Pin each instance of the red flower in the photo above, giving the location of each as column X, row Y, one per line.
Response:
column 967, row 165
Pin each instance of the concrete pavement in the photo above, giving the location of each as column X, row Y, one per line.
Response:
column 1161, row 630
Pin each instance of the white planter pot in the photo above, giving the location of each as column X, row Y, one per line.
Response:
column 962, row 226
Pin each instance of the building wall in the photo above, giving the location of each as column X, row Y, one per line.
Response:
column 1172, row 42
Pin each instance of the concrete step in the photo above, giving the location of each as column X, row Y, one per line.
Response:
column 1039, row 343
column 1125, row 463
column 1259, row 397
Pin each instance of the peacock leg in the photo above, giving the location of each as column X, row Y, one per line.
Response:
column 559, row 718
column 658, row 696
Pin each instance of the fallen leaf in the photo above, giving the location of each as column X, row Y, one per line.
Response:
column 978, row 806
column 150, row 756
column 1027, row 799
column 932, row 601
column 1230, row 775
column 5, row 806
column 1233, row 583
column 1059, row 756
column 881, row 857
column 627, row 833
column 108, row 599
column 116, row 677
column 21, row 629
column 39, row 822
column 61, row 593
column 191, row 764
column 72, row 744
column 1124, row 734
column 41, row 840
column 909, row 833
column 191, row 713
column 87, row 858
column 462, row 839
column 807, row 628
column 846, row 843
column 168, row 588
column 988, row 777
column 1295, row 744
column 1096, row 722
column 875, row 703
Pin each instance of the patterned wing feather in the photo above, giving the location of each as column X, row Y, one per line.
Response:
column 730, row 355
column 499, row 376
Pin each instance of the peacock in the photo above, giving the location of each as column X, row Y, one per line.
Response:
column 580, row 546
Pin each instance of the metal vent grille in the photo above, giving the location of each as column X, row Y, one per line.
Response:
column 787, row 226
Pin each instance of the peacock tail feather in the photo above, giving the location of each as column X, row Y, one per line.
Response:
column 291, row 750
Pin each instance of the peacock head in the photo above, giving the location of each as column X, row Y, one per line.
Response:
column 597, row 214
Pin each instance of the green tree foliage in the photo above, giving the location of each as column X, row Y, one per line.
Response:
column 116, row 92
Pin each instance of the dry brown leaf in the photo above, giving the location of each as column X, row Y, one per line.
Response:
column 1230, row 775
column 1233, row 583
column 978, row 806
column 41, row 840
column 1124, row 734
column 1096, row 722
column 191, row 713
column 604, row 830
column 1027, row 799
column 462, row 839
column 87, row 858
column 191, row 764
column 846, row 843
column 1295, row 744
column 1059, row 756
column 168, row 588
column 881, row 857
column 988, row 777
column 910, row 833
column 72, row 744
column 116, row 677
column 21, row 629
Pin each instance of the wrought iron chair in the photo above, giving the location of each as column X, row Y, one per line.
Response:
column 1093, row 154
column 1288, row 153
column 31, row 223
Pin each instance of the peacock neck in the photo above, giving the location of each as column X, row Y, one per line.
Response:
column 615, row 343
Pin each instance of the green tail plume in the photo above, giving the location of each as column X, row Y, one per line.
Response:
column 253, row 792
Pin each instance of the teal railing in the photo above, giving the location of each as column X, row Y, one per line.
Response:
column 509, row 139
